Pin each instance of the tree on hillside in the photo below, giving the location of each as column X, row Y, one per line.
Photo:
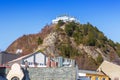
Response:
column 85, row 30
column 118, row 48
column 91, row 38
column 60, row 23
column 99, row 59
column 68, row 51
column 69, row 28
column 40, row 41
column 111, row 43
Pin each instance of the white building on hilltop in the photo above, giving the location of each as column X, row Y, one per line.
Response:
column 65, row 19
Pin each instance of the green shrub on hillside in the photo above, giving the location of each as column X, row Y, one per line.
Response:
column 69, row 28
column 68, row 51
column 118, row 48
column 85, row 34
column 99, row 59
column 89, row 35
column 39, row 41
column 60, row 23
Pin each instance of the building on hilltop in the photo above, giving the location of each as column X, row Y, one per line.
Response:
column 64, row 18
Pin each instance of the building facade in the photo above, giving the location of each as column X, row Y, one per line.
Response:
column 39, row 59
column 64, row 18
column 91, row 75
column 36, row 59
column 5, row 57
column 111, row 69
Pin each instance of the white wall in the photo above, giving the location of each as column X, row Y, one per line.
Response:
column 40, row 58
column 81, row 74
column 29, row 59
column 64, row 18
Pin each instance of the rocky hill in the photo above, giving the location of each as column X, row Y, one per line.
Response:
column 29, row 43
column 82, row 42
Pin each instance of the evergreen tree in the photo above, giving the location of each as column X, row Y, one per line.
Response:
column 40, row 41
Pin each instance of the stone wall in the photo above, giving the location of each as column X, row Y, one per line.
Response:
column 64, row 73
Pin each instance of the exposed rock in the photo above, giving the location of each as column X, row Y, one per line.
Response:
column 28, row 43
column 53, row 39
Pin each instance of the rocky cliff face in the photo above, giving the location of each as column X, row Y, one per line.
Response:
column 56, row 42
column 29, row 43
column 48, row 45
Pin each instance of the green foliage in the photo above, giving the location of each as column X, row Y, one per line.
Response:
column 78, row 37
column 86, row 34
column 60, row 23
column 118, row 49
column 91, row 38
column 69, row 28
column 40, row 41
column 111, row 43
column 68, row 51
column 85, row 29
column 99, row 59
column 101, row 40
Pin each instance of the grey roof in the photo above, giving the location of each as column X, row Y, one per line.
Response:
column 5, row 57
column 90, row 72
column 26, row 56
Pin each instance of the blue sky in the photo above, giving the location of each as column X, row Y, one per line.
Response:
column 19, row 17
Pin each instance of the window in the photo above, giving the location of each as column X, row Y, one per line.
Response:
column 96, row 78
column 30, row 63
column 41, row 64
column 23, row 62
column 84, row 78
column 103, row 78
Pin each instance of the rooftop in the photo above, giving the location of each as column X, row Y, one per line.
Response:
column 90, row 72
